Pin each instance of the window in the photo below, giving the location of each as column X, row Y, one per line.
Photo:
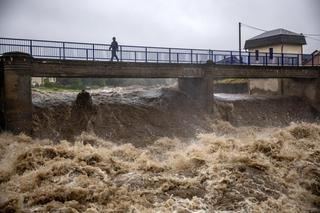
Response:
column 271, row 53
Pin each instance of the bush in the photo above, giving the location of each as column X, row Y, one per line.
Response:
column 47, row 83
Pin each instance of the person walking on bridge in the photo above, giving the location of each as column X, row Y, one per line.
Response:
column 114, row 48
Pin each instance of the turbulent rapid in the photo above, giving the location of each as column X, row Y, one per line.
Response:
column 139, row 115
column 155, row 150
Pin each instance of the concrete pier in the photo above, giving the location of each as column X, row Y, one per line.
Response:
column 199, row 89
column 16, row 92
column 309, row 89
column 2, row 108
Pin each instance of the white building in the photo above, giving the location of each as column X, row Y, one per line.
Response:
column 277, row 41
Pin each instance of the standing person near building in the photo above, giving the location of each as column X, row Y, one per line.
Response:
column 114, row 48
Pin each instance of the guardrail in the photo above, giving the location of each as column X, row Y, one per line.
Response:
column 90, row 51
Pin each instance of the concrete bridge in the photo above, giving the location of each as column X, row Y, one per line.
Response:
column 195, row 79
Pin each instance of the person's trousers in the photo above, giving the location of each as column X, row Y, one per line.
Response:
column 114, row 55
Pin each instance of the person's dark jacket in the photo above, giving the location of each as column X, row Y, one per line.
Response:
column 114, row 46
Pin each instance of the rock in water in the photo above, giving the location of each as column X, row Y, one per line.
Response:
column 82, row 110
column 83, row 101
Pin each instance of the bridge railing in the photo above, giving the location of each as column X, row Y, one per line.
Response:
column 100, row 52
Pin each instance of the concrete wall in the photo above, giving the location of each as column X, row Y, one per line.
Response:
column 309, row 89
column 36, row 81
column 265, row 86
column 305, row 88
column 2, row 98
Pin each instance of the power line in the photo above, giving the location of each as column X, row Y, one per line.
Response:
column 308, row 35
column 255, row 28
column 312, row 38
column 313, row 35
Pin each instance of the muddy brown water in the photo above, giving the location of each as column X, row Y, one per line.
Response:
column 154, row 150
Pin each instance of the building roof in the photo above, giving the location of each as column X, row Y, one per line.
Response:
column 316, row 52
column 229, row 60
column 273, row 37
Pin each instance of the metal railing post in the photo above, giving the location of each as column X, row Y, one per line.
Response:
column 178, row 58
column 31, row 47
column 157, row 57
column 231, row 57
column 146, row 53
column 191, row 52
column 87, row 54
column 197, row 58
column 60, row 53
column 266, row 59
column 282, row 59
column 249, row 59
column 298, row 59
column 135, row 56
column 63, row 50
column 212, row 55
column 120, row 53
column 93, row 52
column 169, row 55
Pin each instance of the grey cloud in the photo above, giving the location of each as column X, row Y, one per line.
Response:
column 211, row 24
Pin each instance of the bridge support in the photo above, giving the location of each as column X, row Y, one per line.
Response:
column 16, row 107
column 309, row 89
column 200, row 89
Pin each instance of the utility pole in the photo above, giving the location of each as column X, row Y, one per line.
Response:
column 240, row 57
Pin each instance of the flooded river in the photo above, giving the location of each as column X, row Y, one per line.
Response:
column 154, row 150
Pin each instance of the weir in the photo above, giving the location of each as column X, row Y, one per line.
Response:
column 196, row 80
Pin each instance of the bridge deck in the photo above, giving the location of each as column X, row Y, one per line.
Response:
column 105, row 69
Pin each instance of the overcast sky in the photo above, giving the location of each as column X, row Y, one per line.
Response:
column 209, row 24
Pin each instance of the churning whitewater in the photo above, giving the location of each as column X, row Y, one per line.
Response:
column 152, row 150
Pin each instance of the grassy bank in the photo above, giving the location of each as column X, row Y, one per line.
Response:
column 56, row 89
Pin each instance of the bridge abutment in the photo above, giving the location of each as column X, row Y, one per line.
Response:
column 199, row 89
column 308, row 89
column 16, row 92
